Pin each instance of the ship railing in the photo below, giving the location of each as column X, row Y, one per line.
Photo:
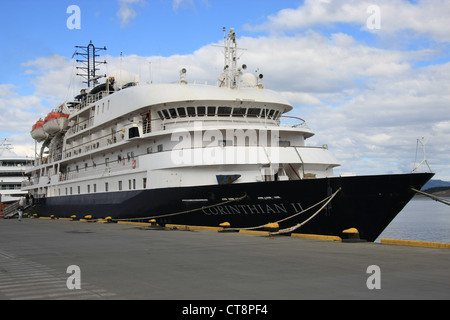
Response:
column 92, row 98
column 48, row 159
column 284, row 121
column 213, row 121
column 34, row 181
column 102, row 169
column 80, row 126
column 27, row 183
column 86, row 147
column 293, row 122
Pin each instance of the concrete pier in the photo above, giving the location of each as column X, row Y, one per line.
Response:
column 123, row 261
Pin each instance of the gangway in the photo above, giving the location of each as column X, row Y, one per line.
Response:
column 11, row 210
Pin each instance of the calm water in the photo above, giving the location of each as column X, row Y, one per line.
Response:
column 422, row 219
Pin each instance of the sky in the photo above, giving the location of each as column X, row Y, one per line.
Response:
column 371, row 78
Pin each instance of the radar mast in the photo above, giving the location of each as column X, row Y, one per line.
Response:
column 231, row 72
column 89, row 53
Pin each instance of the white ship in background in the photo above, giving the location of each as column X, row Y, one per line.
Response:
column 12, row 175
column 200, row 155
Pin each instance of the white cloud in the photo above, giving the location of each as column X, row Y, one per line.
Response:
column 384, row 121
column 53, row 77
column 126, row 12
column 422, row 17
column 17, row 115
column 177, row 3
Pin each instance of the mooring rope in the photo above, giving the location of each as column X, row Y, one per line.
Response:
column 442, row 200
column 287, row 230
column 329, row 198
column 186, row 211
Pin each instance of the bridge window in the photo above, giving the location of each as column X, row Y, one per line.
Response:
column 239, row 112
column 253, row 112
column 275, row 116
column 181, row 112
column 224, row 111
column 201, row 111
column 221, row 111
column 173, row 113
column 191, row 111
column 211, row 111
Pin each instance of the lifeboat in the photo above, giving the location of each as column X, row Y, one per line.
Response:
column 56, row 122
column 37, row 131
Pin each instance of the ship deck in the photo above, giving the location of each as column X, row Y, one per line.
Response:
column 122, row 261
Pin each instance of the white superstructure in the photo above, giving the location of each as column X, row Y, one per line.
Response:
column 148, row 136
column 12, row 176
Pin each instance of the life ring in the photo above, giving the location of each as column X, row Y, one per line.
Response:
column 134, row 164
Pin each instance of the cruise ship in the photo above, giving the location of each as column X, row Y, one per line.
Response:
column 206, row 155
column 12, row 175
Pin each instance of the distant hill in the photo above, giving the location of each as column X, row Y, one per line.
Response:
column 439, row 191
column 438, row 188
column 436, row 184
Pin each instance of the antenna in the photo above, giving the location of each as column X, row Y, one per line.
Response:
column 422, row 141
column 231, row 73
column 5, row 145
column 89, row 64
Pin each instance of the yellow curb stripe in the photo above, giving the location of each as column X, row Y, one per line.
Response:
column 414, row 243
column 266, row 233
column 316, row 236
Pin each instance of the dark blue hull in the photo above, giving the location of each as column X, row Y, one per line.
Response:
column 367, row 203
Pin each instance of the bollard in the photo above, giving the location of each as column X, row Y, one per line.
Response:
column 271, row 227
column 351, row 235
column 226, row 227
column 109, row 220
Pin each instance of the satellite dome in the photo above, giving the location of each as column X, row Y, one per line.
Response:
column 248, row 80
column 122, row 78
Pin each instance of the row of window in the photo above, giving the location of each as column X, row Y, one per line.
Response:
column 222, row 111
column 15, row 163
column 11, row 174
column 120, row 187
column 10, row 186
column 120, row 159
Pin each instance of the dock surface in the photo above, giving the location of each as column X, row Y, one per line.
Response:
column 118, row 261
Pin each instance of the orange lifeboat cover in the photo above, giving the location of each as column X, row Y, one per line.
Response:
column 38, row 124
column 54, row 115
